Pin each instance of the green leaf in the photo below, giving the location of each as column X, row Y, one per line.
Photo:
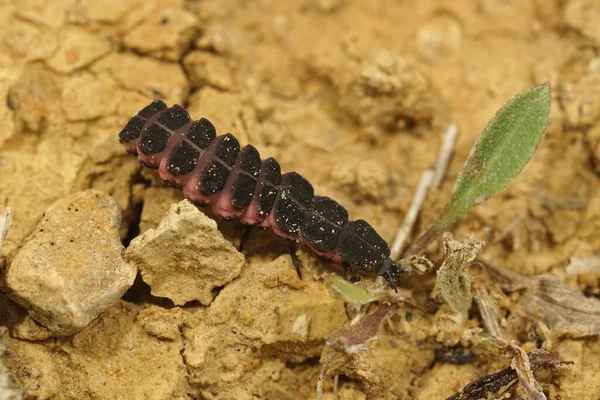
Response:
column 500, row 153
column 348, row 292
column 502, row 150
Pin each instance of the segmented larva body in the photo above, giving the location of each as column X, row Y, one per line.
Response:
column 214, row 171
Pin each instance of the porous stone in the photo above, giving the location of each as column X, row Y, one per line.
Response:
column 77, row 49
column 581, row 100
column 112, row 358
column 87, row 97
column 208, row 69
column 167, row 33
column 153, row 78
column 185, row 257
column 231, row 337
column 583, row 16
column 71, row 268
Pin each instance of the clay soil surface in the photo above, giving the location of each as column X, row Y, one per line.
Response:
column 355, row 96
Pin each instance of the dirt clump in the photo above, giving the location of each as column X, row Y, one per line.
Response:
column 354, row 95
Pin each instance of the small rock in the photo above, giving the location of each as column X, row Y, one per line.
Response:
column 218, row 39
column 220, row 108
column 155, row 79
column 292, row 324
column 383, row 90
column 71, row 268
column 440, row 37
column 85, row 97
column 581, row 100
column 157, row 201
column 207, row 68
column 185, row 257
column 104, row 11
column 31, row 41
column 165, row 34
column 33, row 96
column 161, row 323
column 43, row 13
column 583, row 15
column 372, row 179
column 78, row 48
column 19, row 323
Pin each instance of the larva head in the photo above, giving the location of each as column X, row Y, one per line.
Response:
column 391, row 272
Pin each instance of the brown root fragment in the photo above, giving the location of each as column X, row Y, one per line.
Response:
column 354, row 338
column 505, row 378
column 549, row 299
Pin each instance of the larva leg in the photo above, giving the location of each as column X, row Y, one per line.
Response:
column 245, row 237
column 295, row 259
column 349, row 273
column 392, row 278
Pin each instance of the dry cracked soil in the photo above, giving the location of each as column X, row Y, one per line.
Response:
column 115, row 287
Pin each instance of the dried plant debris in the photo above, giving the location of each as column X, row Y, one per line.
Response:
column 488, row 311
column 354, row 338
column 453, row 280
column 8, row 384
column 565, row 311
column 504, row 381
column 547, row 298
column 5, row 222
column 456, row 356
column 522, row 364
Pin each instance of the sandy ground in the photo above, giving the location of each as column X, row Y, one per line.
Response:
column 352, row 94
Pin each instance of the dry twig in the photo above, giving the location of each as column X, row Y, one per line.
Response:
column 411, row 215
column 446, row 150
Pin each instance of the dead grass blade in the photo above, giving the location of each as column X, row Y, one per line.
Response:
column 547, row 298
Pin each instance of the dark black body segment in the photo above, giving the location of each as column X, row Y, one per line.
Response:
column 228, row 149
column 271, row 171
column 213, row 178
column 330, row 209
column 318, row 233
column 266, row 188
column 174, row 118
column 243, row 189
column 135, row 125
column 132, row 130
column 322, row 225
column 249, row 160
column 361, row 245
column 151, row 109
column 154, row 140
column 183, row 159
column 298, row 188
column 202, row 133
column 293, row 201
column 249, row 169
